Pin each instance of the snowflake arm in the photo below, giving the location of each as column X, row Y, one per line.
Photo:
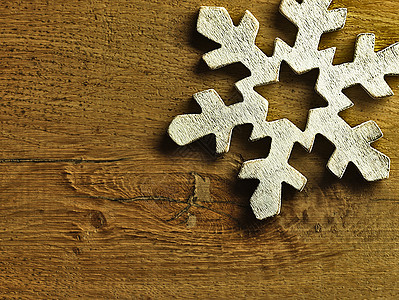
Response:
column 218, row 119
column 274, row 170
column 353, row 144
column 237, row 45
column 312, row 18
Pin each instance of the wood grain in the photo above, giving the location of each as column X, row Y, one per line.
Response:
column 96, row 202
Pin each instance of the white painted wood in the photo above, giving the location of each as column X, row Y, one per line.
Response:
column 238, row 45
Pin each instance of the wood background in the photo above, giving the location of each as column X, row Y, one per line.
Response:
column 96, row 202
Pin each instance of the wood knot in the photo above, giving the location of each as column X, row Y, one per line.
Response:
column 97, row 219
column 77, row 250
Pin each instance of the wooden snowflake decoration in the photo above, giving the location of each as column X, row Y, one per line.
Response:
column 312, row 18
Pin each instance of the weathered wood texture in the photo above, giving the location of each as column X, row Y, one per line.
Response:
column 97, row 202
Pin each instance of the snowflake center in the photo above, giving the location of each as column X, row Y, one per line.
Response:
column 292, row 97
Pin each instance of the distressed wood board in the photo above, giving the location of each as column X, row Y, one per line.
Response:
column 97, row 202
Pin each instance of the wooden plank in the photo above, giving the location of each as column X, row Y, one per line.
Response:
column 97, row 202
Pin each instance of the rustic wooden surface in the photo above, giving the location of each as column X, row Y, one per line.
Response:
column 97, row 202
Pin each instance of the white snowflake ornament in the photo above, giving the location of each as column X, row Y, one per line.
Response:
column 312, row 18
